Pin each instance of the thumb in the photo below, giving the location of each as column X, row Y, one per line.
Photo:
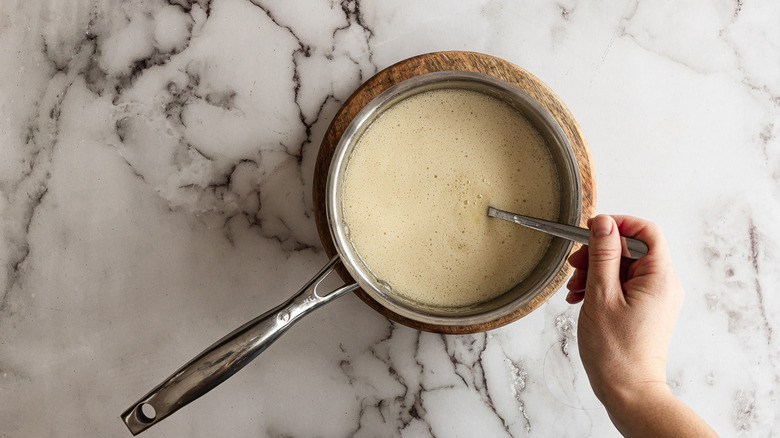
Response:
column 604, row 249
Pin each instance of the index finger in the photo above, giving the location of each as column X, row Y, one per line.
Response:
column 641, row 229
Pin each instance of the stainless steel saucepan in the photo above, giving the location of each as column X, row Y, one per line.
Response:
column 234, row 351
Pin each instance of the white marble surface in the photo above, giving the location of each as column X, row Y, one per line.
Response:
column 156, row 161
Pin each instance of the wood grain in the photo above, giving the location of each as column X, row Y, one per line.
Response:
column 459, row 61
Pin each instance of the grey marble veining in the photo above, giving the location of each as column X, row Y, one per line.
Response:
column 156, row 161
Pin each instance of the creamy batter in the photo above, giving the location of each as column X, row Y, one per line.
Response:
column 418, row 186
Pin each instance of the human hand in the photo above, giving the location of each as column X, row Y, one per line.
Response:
column 629, row 309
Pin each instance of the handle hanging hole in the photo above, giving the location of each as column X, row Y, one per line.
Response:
column 145, row 413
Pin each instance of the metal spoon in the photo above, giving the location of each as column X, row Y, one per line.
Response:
column 632, row 248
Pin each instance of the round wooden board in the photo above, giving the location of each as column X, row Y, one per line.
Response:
column 445, row 61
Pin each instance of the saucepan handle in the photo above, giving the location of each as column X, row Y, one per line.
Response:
column 228, row 355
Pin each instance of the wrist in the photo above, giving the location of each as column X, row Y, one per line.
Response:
column 631, row 403
column 626, row 383
column 636, row 396
column 650, row 410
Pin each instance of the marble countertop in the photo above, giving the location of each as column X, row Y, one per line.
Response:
column 156, row 161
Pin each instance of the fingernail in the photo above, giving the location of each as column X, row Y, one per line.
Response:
column 571, row 281
column 602, row 226
column 569, row 296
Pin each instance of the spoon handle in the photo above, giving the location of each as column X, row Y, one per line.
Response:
column 632, row 248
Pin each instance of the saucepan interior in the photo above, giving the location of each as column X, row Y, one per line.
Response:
column 569, row 210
